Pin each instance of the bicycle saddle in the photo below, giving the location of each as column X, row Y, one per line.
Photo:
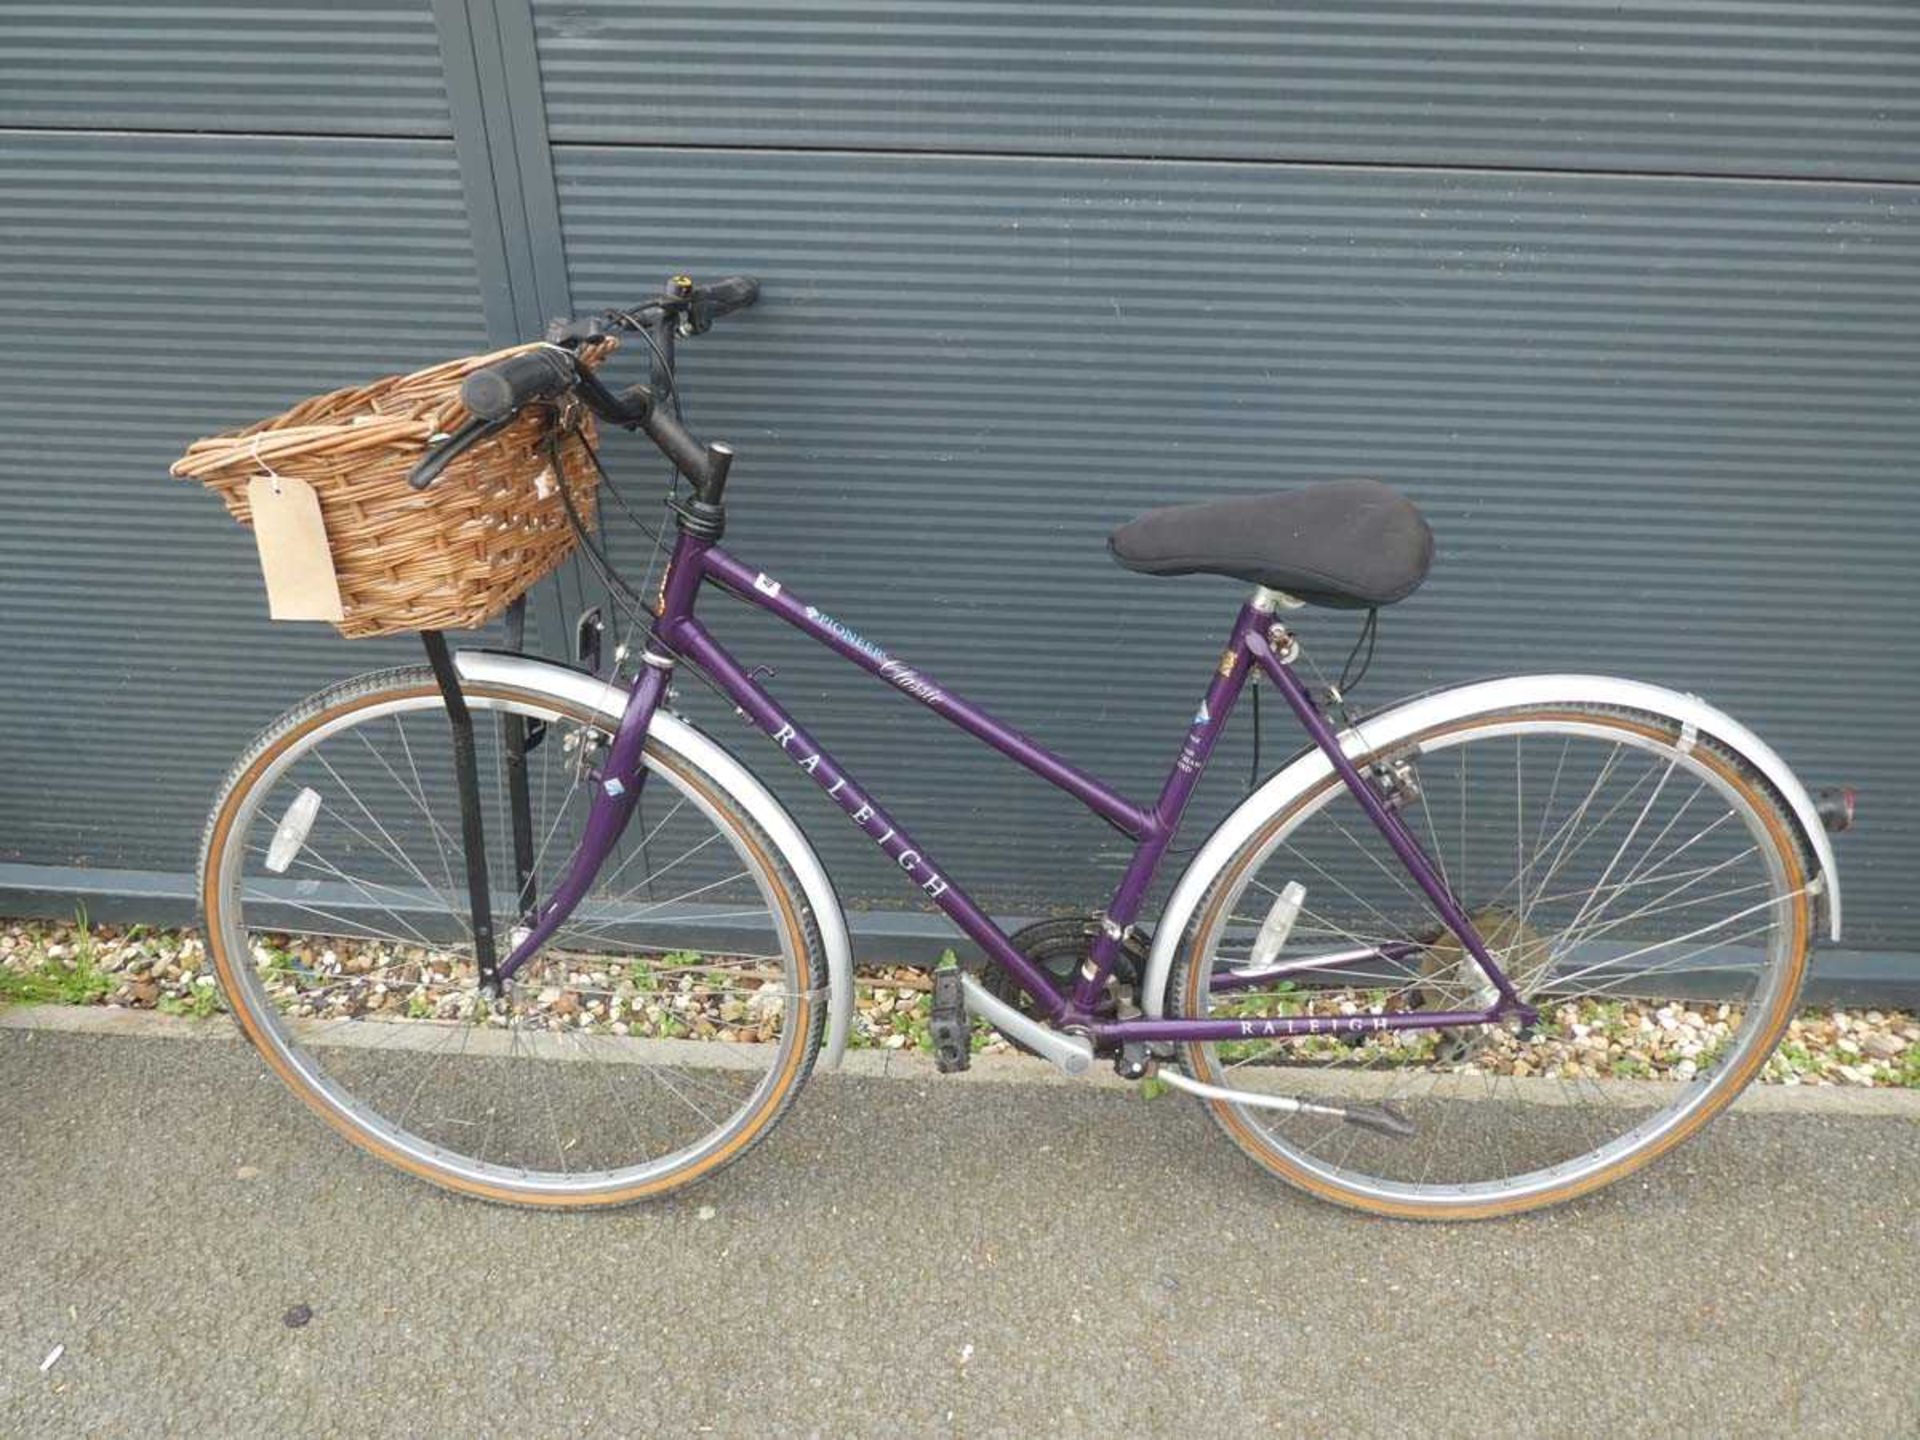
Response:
column 1349, row 544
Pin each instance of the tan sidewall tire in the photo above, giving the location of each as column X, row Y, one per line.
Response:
column 775, row 1099
column 1184, row 988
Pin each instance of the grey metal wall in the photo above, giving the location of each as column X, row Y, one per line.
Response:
column 1625, row 296
column 206, row 210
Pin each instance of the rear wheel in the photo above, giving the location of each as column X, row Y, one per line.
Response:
column 1642, row 887
column 657, row 1037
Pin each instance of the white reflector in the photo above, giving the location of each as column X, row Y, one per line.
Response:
column 292, row 833
column 1278, row 925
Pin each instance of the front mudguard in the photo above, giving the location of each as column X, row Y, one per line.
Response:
column 543, row 679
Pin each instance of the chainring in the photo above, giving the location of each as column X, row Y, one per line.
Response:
column 1060, row 946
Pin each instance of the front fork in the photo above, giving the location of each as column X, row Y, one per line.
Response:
column 616, row 790
column 1386, row 819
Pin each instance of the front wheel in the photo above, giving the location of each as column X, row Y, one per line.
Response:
column 1642, row 887
column 658, row 1036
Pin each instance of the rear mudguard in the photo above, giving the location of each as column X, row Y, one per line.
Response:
column 1412, row 716
column 542, row 679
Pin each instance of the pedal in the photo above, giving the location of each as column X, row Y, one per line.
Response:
column 1382, row 1120
column 951, row 1030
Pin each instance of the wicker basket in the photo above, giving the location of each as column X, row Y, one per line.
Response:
column 449, row 557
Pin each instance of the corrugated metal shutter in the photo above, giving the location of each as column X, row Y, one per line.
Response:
column 157, row 288
column 1829, row 89
column 1029, row 269
column 1663, row 428
column 366, row 67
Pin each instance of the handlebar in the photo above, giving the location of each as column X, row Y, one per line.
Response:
column 684, row 307
column 496, row 393
column 736, row 292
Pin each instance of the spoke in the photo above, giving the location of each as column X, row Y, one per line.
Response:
column 1437, row 850
column 590, row 931
column 641, row 849
column 1659, row 906
column 1641, row 875
column 312, row 858
column 1681, row 939
column 1529, row 901
column 659, row 1076
column 427, row 1068
column 1466, row 759
column 1637, row 880
column 1499, row 1131
column 1397, row 876
column 446, row 864
column 418, row 797
column 1625, row 841
column 546, row 1097
column 710, row 1086
column 1570, row 850
column 619, row 1107
column 395, row 851
column 1616, row 989
column 268, row 898
column 1546, row 812
column 1519, row 826
column 1563, row 834
column 560, row 814
column 1399, row 932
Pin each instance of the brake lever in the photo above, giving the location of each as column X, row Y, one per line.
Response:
column 696, row 317
column 451, row 448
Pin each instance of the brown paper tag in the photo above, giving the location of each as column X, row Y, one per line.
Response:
column 294, row 556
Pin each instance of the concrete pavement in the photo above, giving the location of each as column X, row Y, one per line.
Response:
column 913, row 1255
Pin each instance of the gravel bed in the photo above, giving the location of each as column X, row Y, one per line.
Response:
column 140, row 967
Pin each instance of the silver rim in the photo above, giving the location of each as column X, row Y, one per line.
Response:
column 662, row 1062
column 1605, row 867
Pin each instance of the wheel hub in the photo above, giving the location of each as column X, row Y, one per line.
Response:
column 1453, row 980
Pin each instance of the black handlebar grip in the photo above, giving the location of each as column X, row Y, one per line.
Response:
column 500, row 389
column 736, row 292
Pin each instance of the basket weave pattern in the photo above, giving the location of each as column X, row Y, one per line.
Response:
column 449, row 557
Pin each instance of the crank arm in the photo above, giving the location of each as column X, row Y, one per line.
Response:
column 1070, row 1054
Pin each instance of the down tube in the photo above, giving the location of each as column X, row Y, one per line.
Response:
column 691, row 639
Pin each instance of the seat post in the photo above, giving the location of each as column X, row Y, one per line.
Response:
column 1267, row 600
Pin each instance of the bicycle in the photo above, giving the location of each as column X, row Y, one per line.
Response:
column 1396, row 973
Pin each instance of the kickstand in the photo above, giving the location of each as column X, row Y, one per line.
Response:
column 472, row 832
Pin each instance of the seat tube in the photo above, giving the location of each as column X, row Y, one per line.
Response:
column 1209, row 720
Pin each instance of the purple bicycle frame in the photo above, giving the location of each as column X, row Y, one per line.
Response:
column 677, row 635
